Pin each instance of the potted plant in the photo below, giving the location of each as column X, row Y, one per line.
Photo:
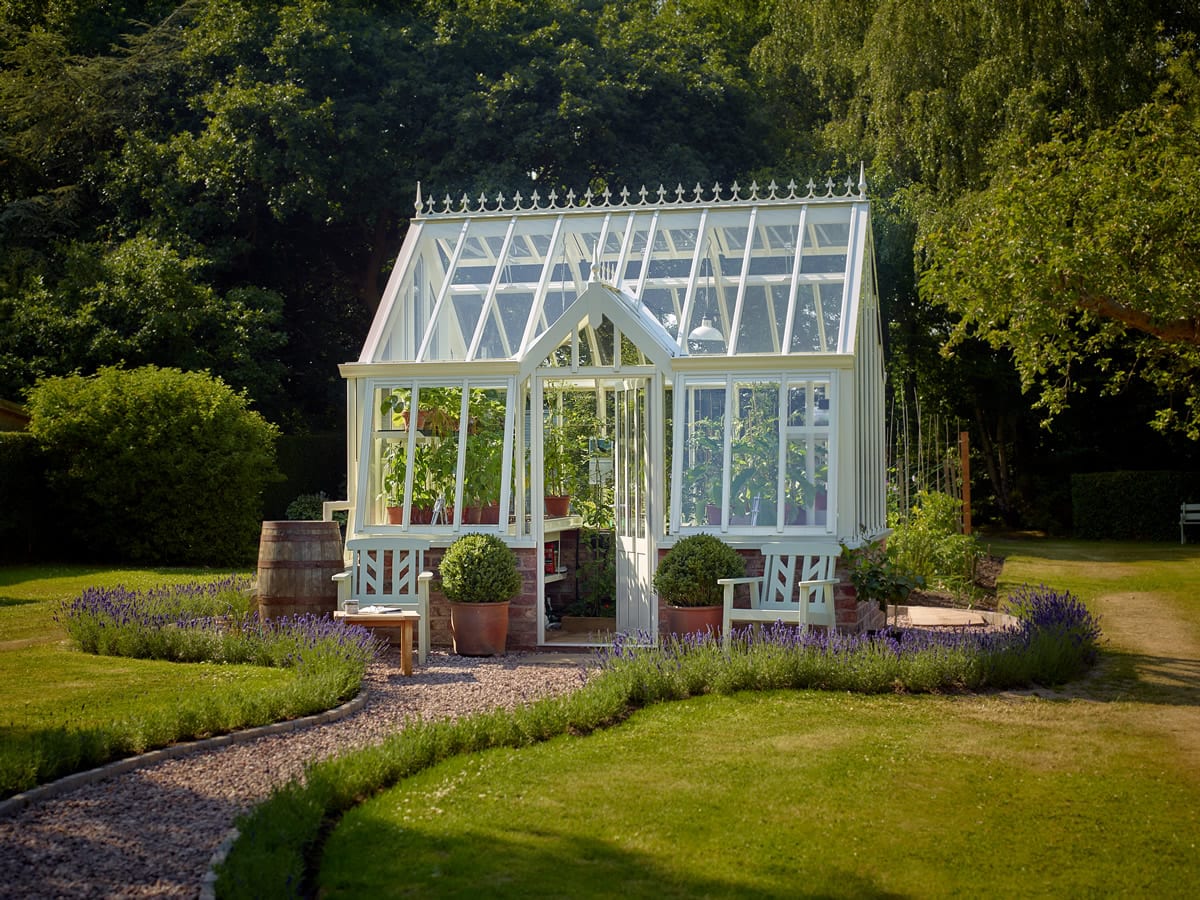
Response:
column 479, row 578
column 686, row 581
column 483, row 479
column 702, row 474
column 876, row 579
column 557, row 468
column 434, row 465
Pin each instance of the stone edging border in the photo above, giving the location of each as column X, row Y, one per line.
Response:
column 208, row 884
column 18, row 802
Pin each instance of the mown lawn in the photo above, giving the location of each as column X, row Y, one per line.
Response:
column 62, row 710
column 1090, row 790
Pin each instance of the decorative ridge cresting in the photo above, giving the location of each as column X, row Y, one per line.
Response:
column 644, row 199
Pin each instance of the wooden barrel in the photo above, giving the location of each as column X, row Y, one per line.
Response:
column 296, row 565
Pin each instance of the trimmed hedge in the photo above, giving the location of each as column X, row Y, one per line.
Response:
column 156, row 465
column 1140, row 506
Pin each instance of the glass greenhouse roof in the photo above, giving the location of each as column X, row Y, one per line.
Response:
column 775, row 272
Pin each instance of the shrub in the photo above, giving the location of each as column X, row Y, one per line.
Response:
column 156, row 465
column 307, row 507
column 480, row 568
column 877, row 579
column 688, row 573
column 928, row 543
column 1101, row 509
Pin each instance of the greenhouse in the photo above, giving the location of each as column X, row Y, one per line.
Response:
column 592, row 377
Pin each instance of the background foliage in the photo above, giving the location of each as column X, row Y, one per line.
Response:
column 223, row 184
column 157, row 465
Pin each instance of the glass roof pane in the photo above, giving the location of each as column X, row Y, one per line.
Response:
column 826, row 239
column 478, row 285
column 768, row 282
column 815, row 327
column 571, row 261
column 717, row 281
column 764, row 315
column 459, row 316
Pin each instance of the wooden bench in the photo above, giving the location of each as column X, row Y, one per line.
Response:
column 1189, row 514
column 796, row 586
column 389, row 573
column 376, row 617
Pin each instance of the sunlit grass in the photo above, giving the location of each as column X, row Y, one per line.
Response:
column 789, row 794
column 29, row 595
column 1091, row 568
column 62, row 710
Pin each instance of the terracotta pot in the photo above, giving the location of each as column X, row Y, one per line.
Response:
column 479, row 629
column 482, row 515
column 692, row 619
column 557, row 507
column 421, row 515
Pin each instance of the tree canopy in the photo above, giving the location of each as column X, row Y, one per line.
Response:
column 1088, row 255
column 223, row 184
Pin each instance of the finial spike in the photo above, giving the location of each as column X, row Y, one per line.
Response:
column 419, row 205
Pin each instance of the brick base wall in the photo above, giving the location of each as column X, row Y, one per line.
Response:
column 522, row 611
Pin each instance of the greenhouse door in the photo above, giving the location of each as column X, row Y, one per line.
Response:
column 631, row 491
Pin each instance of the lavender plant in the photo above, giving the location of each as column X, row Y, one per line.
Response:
column 213, row 622
column 1055, row 639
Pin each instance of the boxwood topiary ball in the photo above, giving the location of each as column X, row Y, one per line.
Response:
column 688, row 573
column 480, row 568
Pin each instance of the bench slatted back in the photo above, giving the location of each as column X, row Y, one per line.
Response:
column 785, row 565
column 385, row 570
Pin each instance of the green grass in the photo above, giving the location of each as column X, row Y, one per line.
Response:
column 792, row 794
column 30, row 594
column 1092, row 792
column 1095, row 569
column 62, row 710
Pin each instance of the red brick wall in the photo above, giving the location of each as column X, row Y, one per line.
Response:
column 522, row 611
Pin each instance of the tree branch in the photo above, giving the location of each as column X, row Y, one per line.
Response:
column 1179, row 331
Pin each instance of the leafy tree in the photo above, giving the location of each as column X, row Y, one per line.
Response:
column 156, row 465
column 1089, row 256
column 135, row 303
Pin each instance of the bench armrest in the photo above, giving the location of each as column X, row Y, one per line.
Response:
column 750, row 579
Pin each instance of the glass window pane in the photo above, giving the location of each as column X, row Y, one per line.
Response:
column 387, row 463
column 483, row 473
column 754, row 455
column 809, row 417
column 703, row 455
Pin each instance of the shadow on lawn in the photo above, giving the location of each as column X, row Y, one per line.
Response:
column 16, row 601
column 1091, row 551
column 423, row 861
column 1122, row 676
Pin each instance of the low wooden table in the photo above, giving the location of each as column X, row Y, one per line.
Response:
column 404, row 620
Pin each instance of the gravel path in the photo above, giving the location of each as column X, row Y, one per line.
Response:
column 151, row 832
